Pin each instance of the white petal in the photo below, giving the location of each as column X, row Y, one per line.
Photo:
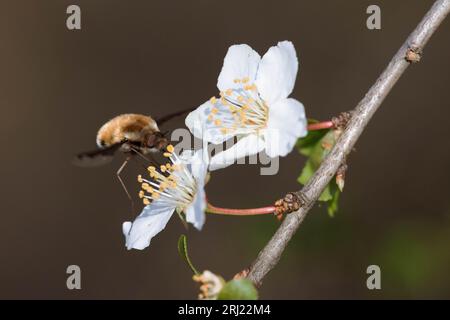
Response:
column 197, row 162
column 248, row 145
column 126, row 226
column 149, row 223
column 199, row 166
column 195, row 120
column 287, row 123
column 277, row 72
column 195, row 213
column 187, row 155
column 240, row 62
column 201, row 127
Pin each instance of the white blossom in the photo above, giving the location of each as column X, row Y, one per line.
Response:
column 253, row 105
column 177, row 185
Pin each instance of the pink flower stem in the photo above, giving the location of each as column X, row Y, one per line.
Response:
column 320, row 125
column 239, row 212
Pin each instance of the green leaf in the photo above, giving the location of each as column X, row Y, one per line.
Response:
column 306, row 144
column 333, row 203
column 316, row 145
column 242, row 289
column 307, row 172
column 326, row 194
column 183, row 251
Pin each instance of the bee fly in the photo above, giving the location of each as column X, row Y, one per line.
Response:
column 131, row 134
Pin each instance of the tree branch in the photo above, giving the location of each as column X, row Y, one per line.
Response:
column 409, row 52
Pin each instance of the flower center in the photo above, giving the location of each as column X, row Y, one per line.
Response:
column 171, row 183
column 239, row 110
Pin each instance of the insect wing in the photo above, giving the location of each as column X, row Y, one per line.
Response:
column 97, row 157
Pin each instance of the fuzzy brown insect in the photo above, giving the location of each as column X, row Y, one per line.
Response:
column 131, row 134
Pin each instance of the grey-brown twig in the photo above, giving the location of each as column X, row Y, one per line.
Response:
column 408, row 53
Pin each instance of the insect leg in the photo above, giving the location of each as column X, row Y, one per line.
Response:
column 124, row 164
column 140, row 154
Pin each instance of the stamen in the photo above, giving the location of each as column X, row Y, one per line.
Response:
column 170, row 148
column 171, row 183
column 155, row 196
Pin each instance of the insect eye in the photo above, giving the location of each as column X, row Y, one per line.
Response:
column 102, row 143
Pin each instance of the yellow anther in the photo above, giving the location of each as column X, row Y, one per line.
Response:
column 210, row 117
column 167, row 154
column 139, row 178
column 163, row 168
column 168, row 166
column 229, row 92
column 146, row 201
column 151, row 168
column 224, row 130
column 245, row 80
column 164, row 184
column 236, row 80
column 170, row 148
column 145, row 186
column 213, row 100
column 232, row 108
column 240, row 98
column 214, row 111
column 155, row 195
column 141, row 194
column 217, row 122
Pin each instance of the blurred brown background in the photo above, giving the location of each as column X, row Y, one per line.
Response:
column 58, row 86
